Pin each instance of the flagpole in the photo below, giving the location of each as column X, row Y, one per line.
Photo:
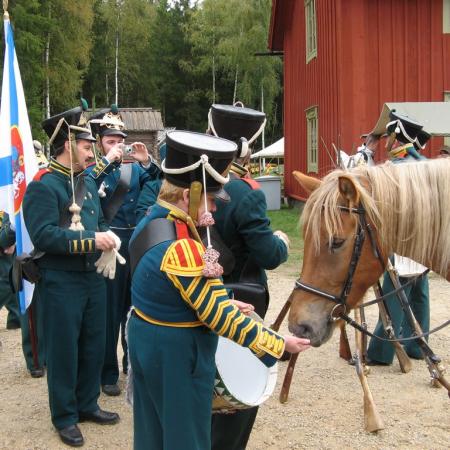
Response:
column 18, row 163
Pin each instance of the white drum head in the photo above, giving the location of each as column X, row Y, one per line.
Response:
column 246, row 378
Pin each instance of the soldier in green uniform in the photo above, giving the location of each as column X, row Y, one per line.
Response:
column 180, row 304
column 121, row 178
column 410, row 138
column 245, row 229
column 35, row 363
column 64, row 219
column 7, row 249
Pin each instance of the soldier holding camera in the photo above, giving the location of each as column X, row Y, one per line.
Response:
column 121, row 172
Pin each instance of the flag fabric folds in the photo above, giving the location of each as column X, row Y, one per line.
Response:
column 18, row 164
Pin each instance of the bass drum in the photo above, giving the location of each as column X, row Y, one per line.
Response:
column 242, row 380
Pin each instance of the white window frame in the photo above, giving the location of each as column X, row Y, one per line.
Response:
column 312, row 139
column 447, row 99
column 311, row 30
column 446, row 16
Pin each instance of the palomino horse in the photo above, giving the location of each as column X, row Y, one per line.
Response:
column 352, row 221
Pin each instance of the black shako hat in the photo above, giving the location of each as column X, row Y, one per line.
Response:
column 189, row 154
column 234, row 122
column 107, row 121
column 405, row 128
column 74, row 121
column 421, row 140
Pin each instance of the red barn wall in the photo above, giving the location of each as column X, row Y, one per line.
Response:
column 308, row 85
column 368, row 53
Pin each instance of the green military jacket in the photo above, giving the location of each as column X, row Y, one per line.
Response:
column 45, row 200
column 245, row 229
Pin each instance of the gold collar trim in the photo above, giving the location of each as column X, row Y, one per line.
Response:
column 57, row 167
column 239, row 170
column 177, row 213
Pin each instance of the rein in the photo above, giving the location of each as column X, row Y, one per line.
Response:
column 363, row 330
column 339, row 311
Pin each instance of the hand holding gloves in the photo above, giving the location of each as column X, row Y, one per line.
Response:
column 106, row 264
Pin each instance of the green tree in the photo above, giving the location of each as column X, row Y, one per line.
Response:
column 99, row 80
column 122, row 26
column 28, row 23
column 60, row 30
column 225, row 36
column 167, row 82
column 69, row 49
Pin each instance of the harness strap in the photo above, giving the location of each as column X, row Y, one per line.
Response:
column 356, row 325
column 395, row 291
column 312, row 290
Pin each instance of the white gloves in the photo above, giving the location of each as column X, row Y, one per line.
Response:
column 284, row 237
column 101, row 191
column 106, row 264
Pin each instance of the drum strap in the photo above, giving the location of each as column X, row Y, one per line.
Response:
column 155, row 232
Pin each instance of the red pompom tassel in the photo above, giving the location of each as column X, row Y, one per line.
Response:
column 212, row 268
column 206, row 220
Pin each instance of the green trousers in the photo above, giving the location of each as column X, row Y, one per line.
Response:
column 173, row 372
column 118, row 292
column 418, row 297
column 74, row 319
column 7, row 298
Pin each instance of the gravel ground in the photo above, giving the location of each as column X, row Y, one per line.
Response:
column 324, row 410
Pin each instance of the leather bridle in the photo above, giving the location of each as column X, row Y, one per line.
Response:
column 339, row 311
column 363, row 229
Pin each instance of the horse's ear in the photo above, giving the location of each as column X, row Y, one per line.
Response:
column 309, row 184
column 348, row 189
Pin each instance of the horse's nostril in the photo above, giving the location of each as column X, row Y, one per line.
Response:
column 303, row 330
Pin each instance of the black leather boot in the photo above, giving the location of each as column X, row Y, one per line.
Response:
column 71, row 435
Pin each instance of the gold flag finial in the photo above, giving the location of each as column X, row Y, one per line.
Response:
column 5, row 10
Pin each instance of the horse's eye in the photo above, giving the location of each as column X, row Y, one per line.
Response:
column 336, row 243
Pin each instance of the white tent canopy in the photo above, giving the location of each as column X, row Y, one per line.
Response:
column 276, row 150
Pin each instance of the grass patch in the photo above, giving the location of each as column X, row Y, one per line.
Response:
column 287, row 220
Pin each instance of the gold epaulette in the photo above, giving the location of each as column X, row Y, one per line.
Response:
column 184, row 257
column 100, row 167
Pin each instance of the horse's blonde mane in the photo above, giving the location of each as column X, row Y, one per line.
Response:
column 407, row 204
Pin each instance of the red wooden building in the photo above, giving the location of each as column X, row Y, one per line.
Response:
column 343, row 59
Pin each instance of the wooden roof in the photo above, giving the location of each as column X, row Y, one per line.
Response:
column 141, row 119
